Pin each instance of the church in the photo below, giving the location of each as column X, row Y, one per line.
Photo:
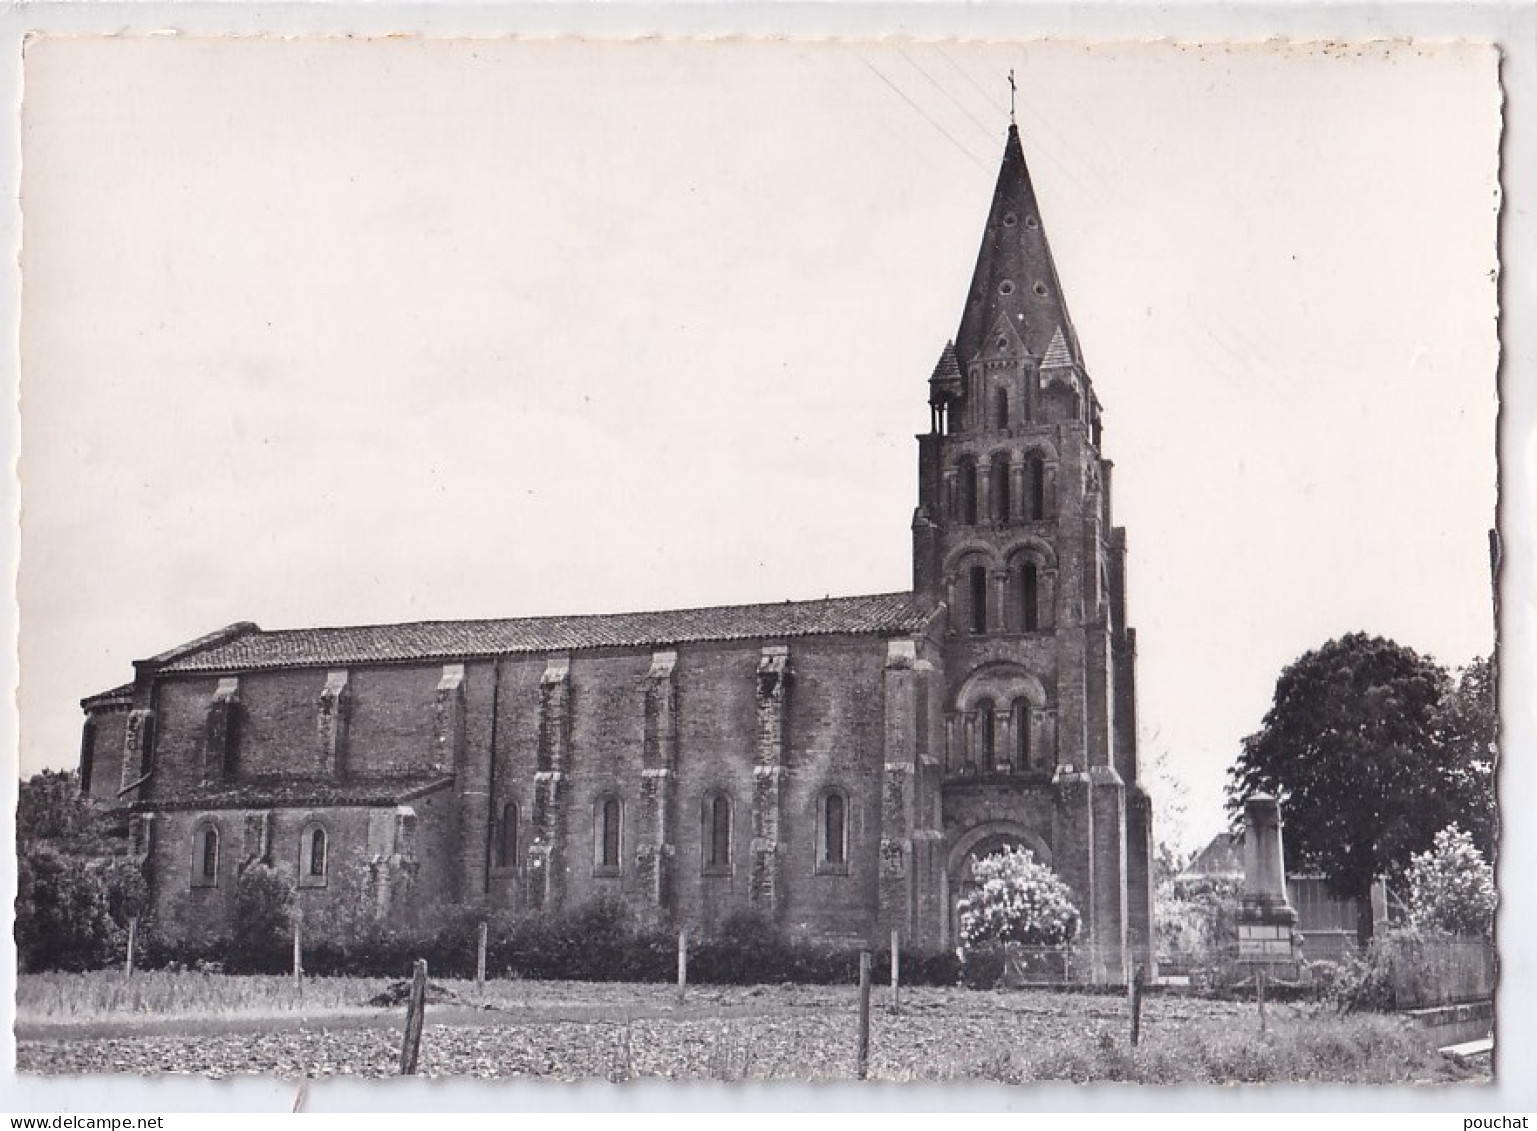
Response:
column 835, row 765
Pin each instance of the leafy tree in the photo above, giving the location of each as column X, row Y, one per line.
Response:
column 1016, row 900
column 1354, row 748
column 1469, row 725
column 1451, row 887
column 49, row 807
column 63, row 916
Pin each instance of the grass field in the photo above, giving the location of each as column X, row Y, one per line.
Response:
column 220, row 1025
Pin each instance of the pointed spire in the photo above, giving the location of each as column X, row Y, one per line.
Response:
column 1015, row 278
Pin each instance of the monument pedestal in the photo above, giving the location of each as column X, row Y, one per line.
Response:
column 1267, row 938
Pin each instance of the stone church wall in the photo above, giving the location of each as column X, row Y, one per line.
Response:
column 101, row 752
column 835, row 742
column 378, row 867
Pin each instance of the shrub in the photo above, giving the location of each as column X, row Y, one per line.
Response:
column 262, row 922
column 1016, row 900
column 594, row 942
column 1451, row 887
column 1197, row 919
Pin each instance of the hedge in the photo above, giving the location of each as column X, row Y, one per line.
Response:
column 595, row 942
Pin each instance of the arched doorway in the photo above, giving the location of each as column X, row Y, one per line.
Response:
column 974, row 844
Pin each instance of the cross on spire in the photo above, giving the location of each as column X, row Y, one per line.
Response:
column 1012, row 89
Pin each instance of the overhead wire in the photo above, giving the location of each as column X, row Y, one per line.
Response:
column 972, row 157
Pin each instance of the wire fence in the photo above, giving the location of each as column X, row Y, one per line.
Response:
column 1399, row 972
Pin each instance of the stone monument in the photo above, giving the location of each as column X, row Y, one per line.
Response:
column 1267, row 937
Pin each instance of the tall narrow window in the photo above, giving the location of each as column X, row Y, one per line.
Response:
column 717, row 832
column 1001, row 409
column 1000, row 481
column 977, row 583
column 966, row 492
column 1030, row 596
column 507, row 837
column 314, row 843
column 1036, row 485
column 205, row 857
column 1022, row 734
column 608, row 833
column 834, row 830
column 987, row 736
column 318, row 852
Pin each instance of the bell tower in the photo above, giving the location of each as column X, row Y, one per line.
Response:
column 1013, row 538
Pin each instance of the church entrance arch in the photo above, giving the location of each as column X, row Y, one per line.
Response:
column 975, row 844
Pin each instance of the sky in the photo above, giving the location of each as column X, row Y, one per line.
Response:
column 338, row 331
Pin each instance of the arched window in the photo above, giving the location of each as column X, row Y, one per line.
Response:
column 1022, row 734
column 318, row 853
column 314, row 845
column 1035, row 486
column 507, row 837
column 966, row 492
column 976, row 581
column 716, row 832
column 832, row 843
column 987, row 736
column 1000, row 488
column 205, row 857
column 606, row 834
column 1029, row 597
column 1001, row 409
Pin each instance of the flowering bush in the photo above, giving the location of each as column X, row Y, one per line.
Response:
column 1016, row 900
column 1451, row 887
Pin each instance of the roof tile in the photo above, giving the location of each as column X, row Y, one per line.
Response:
column 883, row 613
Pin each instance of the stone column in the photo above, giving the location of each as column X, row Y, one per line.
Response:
column 1072, row 841
column 331, row 722
column 1111, row 956
column 900, row 743
column 1139, row 878
column 448, row 719
column 219, row 730
column 765, row 884
column 658, row 789
column 546, row 853
column 136, row 745
column 1266, row 921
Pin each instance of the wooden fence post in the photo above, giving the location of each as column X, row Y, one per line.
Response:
column 863, row 1055
column 1134, row 1003
column 298, row 951
column 682, row 961
column 416, row 1008
column 480, row 959
column 133, row 937
column 896, row 970
column 1259, row 993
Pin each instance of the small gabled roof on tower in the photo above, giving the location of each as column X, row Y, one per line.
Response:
column 947, row 371
column 1057, row 354
column 1015, row 277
